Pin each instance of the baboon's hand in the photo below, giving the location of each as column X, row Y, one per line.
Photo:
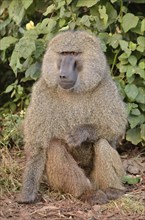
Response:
column 26, row 199
column 81, row 134
column 76, row 139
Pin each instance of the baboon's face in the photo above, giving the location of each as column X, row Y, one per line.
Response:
column 74, row 62
column 69, row 67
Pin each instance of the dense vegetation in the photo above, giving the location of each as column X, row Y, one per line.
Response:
column 27, row 25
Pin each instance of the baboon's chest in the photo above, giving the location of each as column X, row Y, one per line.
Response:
column 78, row 111
column 72, row 111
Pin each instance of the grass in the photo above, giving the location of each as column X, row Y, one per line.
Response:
column 10, row 171
column 129, row 203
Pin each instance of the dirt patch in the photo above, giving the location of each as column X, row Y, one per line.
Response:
column 128, row 207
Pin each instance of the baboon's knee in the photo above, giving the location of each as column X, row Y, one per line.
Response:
column 108, row 169
column 63, row 172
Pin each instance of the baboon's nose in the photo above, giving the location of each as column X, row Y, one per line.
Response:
column 62, row 76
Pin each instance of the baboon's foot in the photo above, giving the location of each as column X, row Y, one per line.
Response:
column 113, row 193
column 95, row 197
column 29, row 199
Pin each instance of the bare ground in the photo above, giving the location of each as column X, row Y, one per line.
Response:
column 55, row 206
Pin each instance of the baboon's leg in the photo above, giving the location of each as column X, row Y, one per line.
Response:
column 31, row 180
column 108, row 170
column 63, row 172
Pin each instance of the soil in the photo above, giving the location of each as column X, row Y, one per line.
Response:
column 55, row 206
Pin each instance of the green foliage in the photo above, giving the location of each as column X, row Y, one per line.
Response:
column 27, row 25
column 11, row 129
column 131, row 180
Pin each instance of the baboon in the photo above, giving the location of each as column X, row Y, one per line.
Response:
column 74, row 121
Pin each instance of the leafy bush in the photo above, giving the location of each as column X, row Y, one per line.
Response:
column 11, row 129
column 27, row 25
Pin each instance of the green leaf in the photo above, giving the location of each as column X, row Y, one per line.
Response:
column 65, row 28
column 25, row 47
column 138, row 1
column 4, row 5
column 130, row 71
column 111, row 12
column 137, row 29
column 143, row 25
column 90, row 3
column 131, row 79
column 140, row 49
column 112, row 1
column 123, row 44
column 132, row 60
column 40, row 48
column 9, row 88
column 114, row 40
column 30, row 34
column 103, row 15
column 14, row 62
column 20, row 89
column 68, row 1
column 13, row 93
column 124, row 47
column 27, row 3
column 6, row 42
column 141, row 72
column 62, row 22
column 142, row 64
column 49, row 10
column 62, row 12
column 135, row 112
column 46, row 26
column 131, row 180
column 132, row 46
column 61, row 4
column 141, row 41
column 142, row 131
column 4, row 23
column 123, row 57
column 142, row 107
column 134, row 136
column 131, row 91
column 129, row 21
column 33, row 71
column 16, row 11
column 85, row 20
column 131, row 106
column 140, row 98
column 136, row 120
column 71, row 26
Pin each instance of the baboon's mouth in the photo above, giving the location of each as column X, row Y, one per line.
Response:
column 67, row 85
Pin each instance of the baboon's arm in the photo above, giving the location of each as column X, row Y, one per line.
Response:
column 31, row 179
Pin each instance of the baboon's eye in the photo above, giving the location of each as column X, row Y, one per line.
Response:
column 75, row 65
column 70, row 53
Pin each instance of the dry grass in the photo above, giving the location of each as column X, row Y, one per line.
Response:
column 10, row 171
column 129, row 203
